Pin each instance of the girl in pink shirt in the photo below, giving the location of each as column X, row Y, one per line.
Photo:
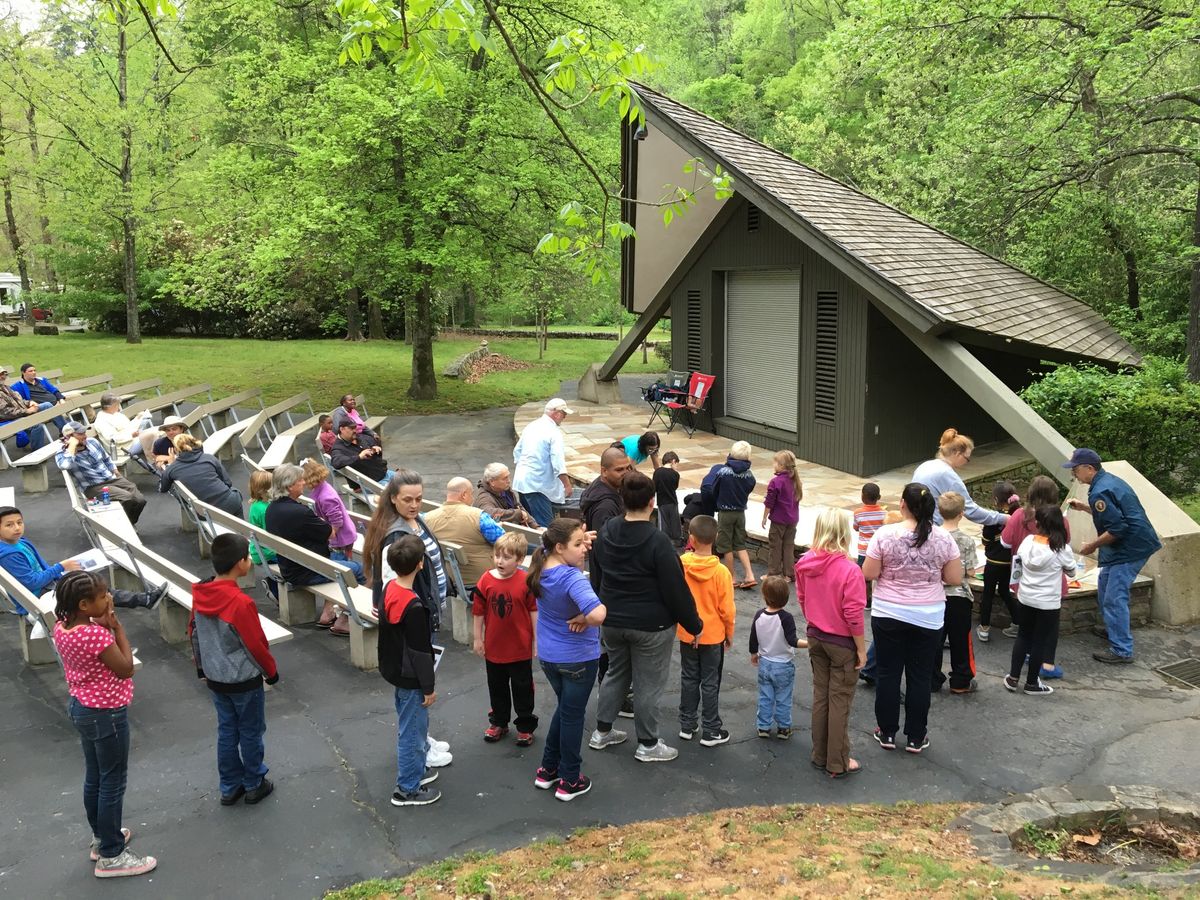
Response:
column 98, row 664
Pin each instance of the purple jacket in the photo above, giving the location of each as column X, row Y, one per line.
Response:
column 328, row 505
column 781, row 502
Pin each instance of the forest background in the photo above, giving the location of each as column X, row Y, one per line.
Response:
column 286, row 169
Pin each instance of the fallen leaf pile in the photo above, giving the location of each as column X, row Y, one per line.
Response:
column 495, row 362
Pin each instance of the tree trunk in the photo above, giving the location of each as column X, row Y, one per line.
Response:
column 375, row 319
column 1193, row 331
column 10, row 217
column 424, row 381
column 1133, row 293
column 353, row 317
column 470, row 305
column 40, row 190
column 133, row 331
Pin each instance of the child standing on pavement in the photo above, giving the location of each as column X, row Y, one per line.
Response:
column 997, row 566
column 1039, row 565
column 505, row 615
column 702, row 656
column 782, row 507
column 234, row 659
column 666, row 497
column 957, row 622
column 773, row 644
column 98, row 663
column 406, row 662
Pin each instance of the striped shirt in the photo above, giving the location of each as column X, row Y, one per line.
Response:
column 90, row 465
column 867, row 520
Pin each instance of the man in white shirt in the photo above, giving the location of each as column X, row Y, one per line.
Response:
column 540, row 475
column 114, row 428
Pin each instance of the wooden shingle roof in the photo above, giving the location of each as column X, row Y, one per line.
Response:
column 950, row 283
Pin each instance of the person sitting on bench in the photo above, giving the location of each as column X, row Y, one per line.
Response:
column 164, row 446
column 84, row 458
column 23, row 562
column 360, row 451
column 40, row 391
column 348, row 411
column 115, row 428
column 14, row 406
column 202, row 474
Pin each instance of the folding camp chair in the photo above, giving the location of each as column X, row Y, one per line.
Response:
column 687, row 407
column 658, row 393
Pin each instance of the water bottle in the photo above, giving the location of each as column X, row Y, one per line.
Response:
column 105, row 500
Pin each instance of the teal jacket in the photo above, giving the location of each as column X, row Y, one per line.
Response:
column 1117, row 510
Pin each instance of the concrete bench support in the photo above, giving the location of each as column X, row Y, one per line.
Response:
column 364, row 647
column 36, row 479
column 185, row 521
column 296, row 605
column 35, row 653
column 461, row 627
column 173, row 622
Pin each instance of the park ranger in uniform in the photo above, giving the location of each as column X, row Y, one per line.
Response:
column 1125, row 539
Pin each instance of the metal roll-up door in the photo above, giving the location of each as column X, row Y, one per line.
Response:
column 762, row 365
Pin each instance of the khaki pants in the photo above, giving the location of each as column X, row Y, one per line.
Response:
column 834, row 679
column 781, row 541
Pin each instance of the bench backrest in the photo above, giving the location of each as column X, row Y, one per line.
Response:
column 171, row 398
column 25, row 423
column 208, row 410
column 80, row 383
column 263, row 418
column 14, row 590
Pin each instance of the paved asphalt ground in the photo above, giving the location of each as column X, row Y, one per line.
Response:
column 331, row 741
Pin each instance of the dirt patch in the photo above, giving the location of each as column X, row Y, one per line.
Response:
column 780, row 851
column 496, row 362
column 1156, row 844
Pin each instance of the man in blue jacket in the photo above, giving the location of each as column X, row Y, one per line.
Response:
column 1125, row 539
column 45, row 395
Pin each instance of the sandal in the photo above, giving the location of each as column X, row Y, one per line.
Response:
column 328, row 624
column 745, row 585
column 846, row 774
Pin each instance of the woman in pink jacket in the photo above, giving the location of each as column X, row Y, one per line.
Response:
column 832, row 595
column 329, row 506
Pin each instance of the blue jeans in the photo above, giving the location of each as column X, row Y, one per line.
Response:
column 412, row 738
column 869, row 670
column 310, row 577
column 241, row 724
column 1113, row 598
column 104, row 735
column 540, row 507
column 572, row 685
column 37, row 434
column 775, row 681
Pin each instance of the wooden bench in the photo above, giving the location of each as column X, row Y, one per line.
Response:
column 125, row 391
column 371, row 489
column 77, row 387
column 162, row 401
column 298, row 603
column 141, row 569
column 264, row 420
column 283, row 448
column 40, row 419
column 225, row 408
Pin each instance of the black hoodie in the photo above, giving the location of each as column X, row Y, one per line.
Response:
column 638, row 577
column 599, row 503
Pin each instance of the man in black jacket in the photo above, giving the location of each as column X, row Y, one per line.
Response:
column 601, row 500
column 635, row 569
column 361, row 452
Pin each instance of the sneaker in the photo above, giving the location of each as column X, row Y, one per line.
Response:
column 983, row 634
column 867, row 680
column 686, row 734
column 659, row 752
column 430, row 776
column 151, row 599
column 610, row 738
column 1038, row 690
column 764, row 733
column 886, row 741
column 261, row 792
column 969, row 689
column 714, row 738
column 784, row 734
column 569, row 790
column 422, row 796
column 1011, row 684
column 1054, row 671
column 124, row 865
column 626, row 711
column 1109, row 657
column 94, row 849
column 524, row 738
column 1011, row 631
column 917, row 746
column 494, row 733
column 435, row 758
column 544, row 779
column 439, row 746
column 229, row 799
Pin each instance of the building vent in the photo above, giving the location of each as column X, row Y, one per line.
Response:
column 825, row 381
column 695, row 310
column 752, row 214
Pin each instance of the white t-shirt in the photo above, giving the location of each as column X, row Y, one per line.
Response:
column 1038, row 571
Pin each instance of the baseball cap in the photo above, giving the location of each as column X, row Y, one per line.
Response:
column 3, row 370
column 557, row 404
column 174, row 420
column 73, row 428
column 1083, row 457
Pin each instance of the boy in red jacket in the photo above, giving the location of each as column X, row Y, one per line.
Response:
column 233, row 658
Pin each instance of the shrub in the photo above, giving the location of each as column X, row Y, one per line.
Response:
column 1150, row 417
column 663, row 351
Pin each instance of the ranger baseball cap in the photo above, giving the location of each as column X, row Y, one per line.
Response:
column 1083, row 457
column 559, row 404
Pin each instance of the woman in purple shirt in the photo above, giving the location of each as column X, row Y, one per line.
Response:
column 329, row 507
column 568, row 641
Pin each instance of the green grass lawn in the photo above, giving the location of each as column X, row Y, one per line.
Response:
column 326, row 369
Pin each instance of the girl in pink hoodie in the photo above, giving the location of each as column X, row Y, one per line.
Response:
column 832, row 596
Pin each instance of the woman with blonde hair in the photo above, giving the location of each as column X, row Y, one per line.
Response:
column 832, row 595
column 202, row 474
column 329, row 508
column 940, row 474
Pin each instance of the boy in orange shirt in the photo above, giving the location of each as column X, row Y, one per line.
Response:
column 702, row 656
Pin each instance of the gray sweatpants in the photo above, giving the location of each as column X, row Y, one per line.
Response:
column 635, row 657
